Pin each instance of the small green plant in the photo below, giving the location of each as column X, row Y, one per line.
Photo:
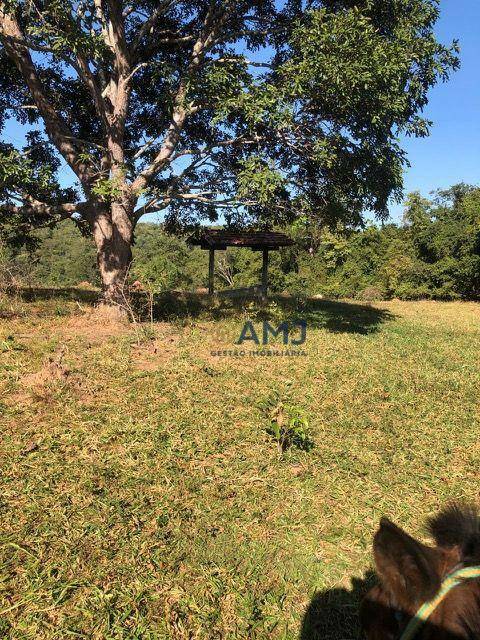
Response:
column 11, row 344
column 144, row 333
column 288, row 424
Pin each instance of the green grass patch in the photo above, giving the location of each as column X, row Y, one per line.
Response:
column 143, row 498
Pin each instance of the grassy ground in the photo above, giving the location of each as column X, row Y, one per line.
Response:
column 142, row 497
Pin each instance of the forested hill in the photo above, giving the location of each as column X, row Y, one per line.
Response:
column 433, row 253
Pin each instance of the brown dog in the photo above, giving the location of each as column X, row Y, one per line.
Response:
column 412, row 574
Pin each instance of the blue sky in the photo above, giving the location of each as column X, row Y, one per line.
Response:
column 451, row 154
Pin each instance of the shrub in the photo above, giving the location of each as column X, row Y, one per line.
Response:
column 371, row 294
column 288, row 424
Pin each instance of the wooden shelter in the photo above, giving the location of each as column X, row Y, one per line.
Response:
column 220, row 239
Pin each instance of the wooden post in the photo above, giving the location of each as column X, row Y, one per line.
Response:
column 211, row 270
column 265, row 273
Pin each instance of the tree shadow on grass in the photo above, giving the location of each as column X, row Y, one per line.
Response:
column 335, row 316
column 345, row 317
column 32, row 294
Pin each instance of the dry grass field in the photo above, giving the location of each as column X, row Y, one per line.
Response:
column 142, row 497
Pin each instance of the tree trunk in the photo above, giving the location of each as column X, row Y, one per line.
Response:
column 113, row 236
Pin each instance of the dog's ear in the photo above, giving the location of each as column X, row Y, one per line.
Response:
column 406, row 567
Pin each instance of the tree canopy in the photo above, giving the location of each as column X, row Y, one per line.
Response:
column 257, row 111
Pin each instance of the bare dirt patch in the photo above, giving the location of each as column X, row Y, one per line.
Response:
column 148, row 356
column 53, row 368
column 96, row 325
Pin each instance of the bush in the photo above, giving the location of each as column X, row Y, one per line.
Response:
column 288, row 424
column 371, row 294
column 435, row 253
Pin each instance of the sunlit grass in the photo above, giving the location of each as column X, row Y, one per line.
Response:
column 142, row 497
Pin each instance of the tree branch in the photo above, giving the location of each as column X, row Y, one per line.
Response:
column 137, row 68
column 93, row 85
column 160, row 202
column 80, row 65
column 50, row 211
column 16, row 48
column 100, row 14
column 247, row 61
column 149, row 24
column 118, row 41
column 213, row 23
column 122, row 71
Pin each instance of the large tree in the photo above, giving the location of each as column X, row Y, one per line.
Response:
column 253, row 109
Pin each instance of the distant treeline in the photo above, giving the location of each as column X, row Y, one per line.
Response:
column 433, row 253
